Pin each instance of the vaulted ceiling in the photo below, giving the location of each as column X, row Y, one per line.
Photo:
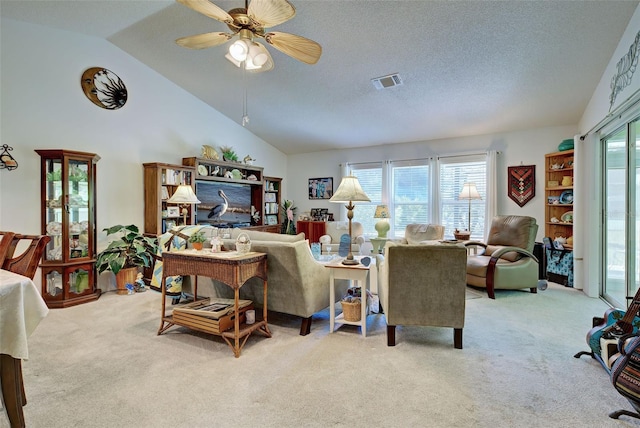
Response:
column 467, row 67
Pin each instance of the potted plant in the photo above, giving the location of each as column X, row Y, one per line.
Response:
column 129, row 251
column 197, row 240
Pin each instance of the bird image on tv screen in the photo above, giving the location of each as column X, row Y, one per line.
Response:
column 223, row 204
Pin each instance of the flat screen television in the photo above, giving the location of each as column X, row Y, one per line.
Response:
column 223, row 204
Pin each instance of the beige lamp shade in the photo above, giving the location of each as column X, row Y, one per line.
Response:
column 184, row 195
column 469, row 191
column 349, row 191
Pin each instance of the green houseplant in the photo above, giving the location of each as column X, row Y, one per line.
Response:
column 197, row 239
column 129, row 251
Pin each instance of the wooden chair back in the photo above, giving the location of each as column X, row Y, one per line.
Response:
column 27, row 262
column 5, row 242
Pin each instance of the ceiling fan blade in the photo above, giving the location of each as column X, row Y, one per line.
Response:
column 298, row 47
column 206, row 40
column 209, row 9
column 269, row 13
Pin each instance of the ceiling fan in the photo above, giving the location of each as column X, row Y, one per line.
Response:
column 249, row 23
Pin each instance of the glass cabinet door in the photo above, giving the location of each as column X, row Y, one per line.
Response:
column 77, row 208
column 53, row 208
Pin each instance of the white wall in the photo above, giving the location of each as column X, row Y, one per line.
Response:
column 526, row 147
column 43, row 106
column 588, row 264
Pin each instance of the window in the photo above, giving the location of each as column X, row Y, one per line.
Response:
column 454, row 212
column 413, row 196
column 410, row 195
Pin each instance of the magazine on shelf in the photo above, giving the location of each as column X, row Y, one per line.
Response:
column 215, row 308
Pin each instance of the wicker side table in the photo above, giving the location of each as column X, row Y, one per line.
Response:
column 231, row 268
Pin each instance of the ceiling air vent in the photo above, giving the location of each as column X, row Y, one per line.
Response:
column 388, row 81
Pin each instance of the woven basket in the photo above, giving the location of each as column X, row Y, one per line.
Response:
column 243, row 243
column 351, row 310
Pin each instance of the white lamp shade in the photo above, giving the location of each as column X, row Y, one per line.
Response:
column 469, row 191
column 184, row 195
column 349, row 191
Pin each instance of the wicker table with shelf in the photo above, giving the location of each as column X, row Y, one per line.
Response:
column 230, row 268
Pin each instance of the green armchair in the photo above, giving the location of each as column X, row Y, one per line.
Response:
column 506, row 260
column 423, row 285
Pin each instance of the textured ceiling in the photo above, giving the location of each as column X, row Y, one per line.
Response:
column 469, row 67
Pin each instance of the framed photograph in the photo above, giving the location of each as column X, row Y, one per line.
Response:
column 316, row 214
column 321, row 188
column 173, row 212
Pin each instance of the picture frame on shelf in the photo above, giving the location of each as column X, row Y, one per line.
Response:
column 321, row 188
column 173, row 212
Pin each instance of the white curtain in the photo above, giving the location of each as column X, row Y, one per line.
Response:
column 579, row 205
column 491, row 207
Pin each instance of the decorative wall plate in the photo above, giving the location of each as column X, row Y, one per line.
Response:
column 567, row 217
column 104, row 88
column 566, row 197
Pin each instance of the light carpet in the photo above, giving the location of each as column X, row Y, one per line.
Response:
column 101, row 364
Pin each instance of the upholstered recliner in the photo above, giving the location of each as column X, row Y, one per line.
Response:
column 507, row 260
column 423, row 285
column 335, row 229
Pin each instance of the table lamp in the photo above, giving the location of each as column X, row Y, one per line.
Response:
column 470, row 192
column 382, row 226
column 184, row 196
column 348, row 192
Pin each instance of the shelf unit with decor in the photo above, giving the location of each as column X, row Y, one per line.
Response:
column 559, row 195
column 272, row 199
column 68, row 209
column 160, row 182
column 210, row 171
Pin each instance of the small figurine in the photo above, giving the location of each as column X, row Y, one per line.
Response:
column 228, row 174
column 139, row 286
column 248, row 160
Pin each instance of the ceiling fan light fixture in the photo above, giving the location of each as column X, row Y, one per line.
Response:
column 239, row 49
column 258, row 54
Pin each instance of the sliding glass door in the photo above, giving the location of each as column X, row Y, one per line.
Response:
column 621, row 204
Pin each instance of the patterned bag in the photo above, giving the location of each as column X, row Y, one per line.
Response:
column 625, row 373
column 560, row 266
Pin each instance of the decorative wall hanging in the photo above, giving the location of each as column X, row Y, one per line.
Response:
column 522, row 184
column 104, row 88
column 624, row 70
column 6, row 160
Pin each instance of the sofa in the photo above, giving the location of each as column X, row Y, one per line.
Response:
column 297, row 284
column 330, row 241
column 416, row 233
column 423, row 285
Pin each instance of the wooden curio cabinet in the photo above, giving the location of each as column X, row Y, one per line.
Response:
column 68, row 207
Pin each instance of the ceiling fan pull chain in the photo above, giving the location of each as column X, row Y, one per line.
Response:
column 245, row 113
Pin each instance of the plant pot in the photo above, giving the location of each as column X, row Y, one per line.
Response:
column 124, row 277
column 197, row 245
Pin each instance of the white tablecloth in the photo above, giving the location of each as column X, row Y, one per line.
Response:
column 21, row 310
